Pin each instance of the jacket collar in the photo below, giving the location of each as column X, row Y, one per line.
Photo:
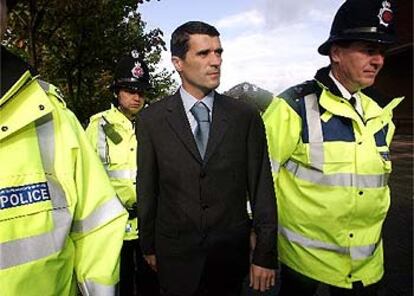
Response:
column 27, row 104
column 322, row 77
column 369, row 96
column 114, row 116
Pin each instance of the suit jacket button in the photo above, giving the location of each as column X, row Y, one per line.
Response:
column 204, row 207
column 202, row 174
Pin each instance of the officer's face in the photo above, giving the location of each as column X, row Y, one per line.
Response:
column 130, row 102
column 200, row 68
column 357, row 64
column 3, row 17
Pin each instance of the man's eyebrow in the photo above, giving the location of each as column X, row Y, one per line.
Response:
column 219, row 50
column 203, row 51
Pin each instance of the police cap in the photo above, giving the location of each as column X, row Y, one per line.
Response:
column 366, row 20
column 131, row 73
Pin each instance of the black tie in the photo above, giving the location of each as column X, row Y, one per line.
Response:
column 352, row 100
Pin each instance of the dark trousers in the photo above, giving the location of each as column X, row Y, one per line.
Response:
column 294, row 283
column 136, row 277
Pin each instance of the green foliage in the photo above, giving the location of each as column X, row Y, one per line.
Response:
column 75, row 44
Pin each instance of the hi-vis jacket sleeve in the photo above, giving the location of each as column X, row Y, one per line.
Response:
column 283, row 128
column 98, row 224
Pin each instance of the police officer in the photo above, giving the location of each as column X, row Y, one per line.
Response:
column 54, row 221
column 329, row 146
column 112, row 134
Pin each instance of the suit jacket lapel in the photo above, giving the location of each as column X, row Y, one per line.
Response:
column 178, row 120
column 218, row 126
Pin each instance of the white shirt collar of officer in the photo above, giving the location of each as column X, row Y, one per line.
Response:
column 346, row 94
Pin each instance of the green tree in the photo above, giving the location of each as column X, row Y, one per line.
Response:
column 75, row 44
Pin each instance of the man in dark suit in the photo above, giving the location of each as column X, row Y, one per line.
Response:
column 200, row 156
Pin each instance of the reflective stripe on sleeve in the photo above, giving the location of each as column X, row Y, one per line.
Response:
column 104, row 213
column 90, row 288
column 313, row 120
column 339, row 179
column 24, row 250
column 102, row 144
column 122, row 174
column 275, row 166
column 356, row 253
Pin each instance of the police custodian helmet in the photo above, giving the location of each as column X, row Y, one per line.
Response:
column 131, row 73
column 366, row 20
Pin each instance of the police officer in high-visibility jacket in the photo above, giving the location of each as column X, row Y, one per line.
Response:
column 329, row 146
column 112, row 134
column 54, row 221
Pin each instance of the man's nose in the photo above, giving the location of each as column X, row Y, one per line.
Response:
column 378, row 59
column 216, row 59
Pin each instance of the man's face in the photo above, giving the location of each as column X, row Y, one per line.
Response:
column 357, row 65
column 200, row 68
column 3, row 17
column 130, row 102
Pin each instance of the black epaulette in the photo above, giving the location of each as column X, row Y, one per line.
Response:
column 294, row 94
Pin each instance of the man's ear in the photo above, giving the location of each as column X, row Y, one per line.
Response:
column 178, row 63
column 335, row 53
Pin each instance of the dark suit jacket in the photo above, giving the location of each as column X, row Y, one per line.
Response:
column 192, row 210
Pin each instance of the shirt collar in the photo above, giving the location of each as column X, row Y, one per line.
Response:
column 345, row 93
column 189, row 100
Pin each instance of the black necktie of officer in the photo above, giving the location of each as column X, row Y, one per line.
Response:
column 352, row 100
column 201, row 113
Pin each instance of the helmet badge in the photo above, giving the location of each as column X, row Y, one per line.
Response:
column 135, row 54
column 137, row 71
column 385, row 14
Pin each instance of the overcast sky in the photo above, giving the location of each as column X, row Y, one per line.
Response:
column 270, row 43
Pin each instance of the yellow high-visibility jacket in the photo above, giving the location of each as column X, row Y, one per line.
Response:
column 119, row 157
column 330, row 169
column 58, row 228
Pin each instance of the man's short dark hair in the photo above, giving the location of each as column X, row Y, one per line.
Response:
column 181, row 35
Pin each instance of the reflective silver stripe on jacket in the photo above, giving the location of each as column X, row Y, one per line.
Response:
column 338, row 179
column 89, row 288
column 313, row 120
column 102, row 143
column 356, row 253
column 275, row 166
column 20, row 251
column 122, row 174
column 44, row 85
column 106, row 212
